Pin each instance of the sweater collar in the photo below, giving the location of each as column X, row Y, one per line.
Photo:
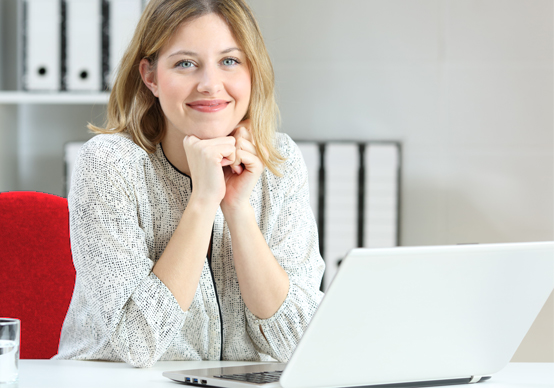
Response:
column 170, row 170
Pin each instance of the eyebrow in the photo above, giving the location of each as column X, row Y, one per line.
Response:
column 193, row 54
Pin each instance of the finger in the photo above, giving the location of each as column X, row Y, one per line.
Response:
column 243, row 144
column 243, row 132
column 237, row 169
column 190, row 140
column 193, row 142
column 236, row 166
column 226, row 154
column 223, row 154
column 250, row 161
column 229, row 140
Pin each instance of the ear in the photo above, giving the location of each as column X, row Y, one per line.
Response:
column 148, row 74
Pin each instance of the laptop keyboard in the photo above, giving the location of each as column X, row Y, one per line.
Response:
column 258, row 378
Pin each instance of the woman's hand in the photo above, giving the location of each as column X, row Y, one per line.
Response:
column 242, row 174
column 206, row 159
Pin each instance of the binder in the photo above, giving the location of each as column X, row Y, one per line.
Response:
column 84, row 45
column 341, row 204
column 123, row 18
column 310, row 153
column 381, row 195
column 42, row 55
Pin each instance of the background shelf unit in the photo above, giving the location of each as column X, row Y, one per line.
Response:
column 59, row 98
column 34, row 126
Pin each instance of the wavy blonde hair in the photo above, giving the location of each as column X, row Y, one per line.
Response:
column 134, row 109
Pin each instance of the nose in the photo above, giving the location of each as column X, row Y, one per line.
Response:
column 210, row 82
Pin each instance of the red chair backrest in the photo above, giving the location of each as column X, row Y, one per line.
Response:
column 36, row 268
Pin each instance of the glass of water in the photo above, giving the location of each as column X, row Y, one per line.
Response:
column 9, row 350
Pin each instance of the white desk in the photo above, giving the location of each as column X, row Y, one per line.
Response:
column 96, row 374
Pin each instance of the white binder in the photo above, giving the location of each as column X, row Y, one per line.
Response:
column 341, row 204
column 42, row 46
column 124, row 16
column 381, row 195
column 310, row 153
column 84, row 45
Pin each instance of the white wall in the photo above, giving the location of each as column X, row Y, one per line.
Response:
column 465, row 85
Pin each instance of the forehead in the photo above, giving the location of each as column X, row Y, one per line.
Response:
column 204, row 34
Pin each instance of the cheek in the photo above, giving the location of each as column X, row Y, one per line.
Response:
column 241, row 90
column 170, row 90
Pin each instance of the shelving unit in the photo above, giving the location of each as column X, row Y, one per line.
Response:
column 33, row 131
column 35, row 126
column 17, row 97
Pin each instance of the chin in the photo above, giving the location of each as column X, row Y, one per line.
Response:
column 210, row 132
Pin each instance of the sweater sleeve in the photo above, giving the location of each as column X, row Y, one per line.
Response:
column 294, row 243
column 128, row 304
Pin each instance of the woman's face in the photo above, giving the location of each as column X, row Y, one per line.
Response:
column 202, row 80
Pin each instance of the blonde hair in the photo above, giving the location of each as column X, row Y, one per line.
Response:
column 134, row 109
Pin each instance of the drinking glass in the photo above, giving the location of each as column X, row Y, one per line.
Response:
column 9, row 350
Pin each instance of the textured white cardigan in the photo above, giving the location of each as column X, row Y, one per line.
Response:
column 124, row 206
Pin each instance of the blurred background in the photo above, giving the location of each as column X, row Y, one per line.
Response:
column 465, row 86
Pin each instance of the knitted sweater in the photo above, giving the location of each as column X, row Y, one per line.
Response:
column 124, row 206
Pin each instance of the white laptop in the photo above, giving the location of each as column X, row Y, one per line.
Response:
column 410, row 316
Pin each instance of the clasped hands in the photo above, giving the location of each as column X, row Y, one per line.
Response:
column 224, row 170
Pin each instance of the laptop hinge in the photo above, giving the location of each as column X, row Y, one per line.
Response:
column 475, row 379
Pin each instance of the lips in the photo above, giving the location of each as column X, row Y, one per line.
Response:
column 209, row 106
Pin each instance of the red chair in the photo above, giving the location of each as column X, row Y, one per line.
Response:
column 36, row 268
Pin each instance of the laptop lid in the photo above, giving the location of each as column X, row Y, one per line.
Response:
column 423, row 313
column 443, row 314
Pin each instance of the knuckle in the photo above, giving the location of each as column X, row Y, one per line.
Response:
column 240, row 143
column 204, row 151
column 242, row 130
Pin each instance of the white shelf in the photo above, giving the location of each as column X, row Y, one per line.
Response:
column 57, row 98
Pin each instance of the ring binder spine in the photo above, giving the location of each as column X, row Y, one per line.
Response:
column 362, row 186
column 41, row 36
column 63, row 48
column 106, row 45
column 366, row 191
column 321, row 206
column 24, row 37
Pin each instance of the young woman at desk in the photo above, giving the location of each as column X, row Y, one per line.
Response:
column 191, row 229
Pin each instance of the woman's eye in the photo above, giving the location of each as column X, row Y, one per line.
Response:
column 185, row 64
column 230, row 61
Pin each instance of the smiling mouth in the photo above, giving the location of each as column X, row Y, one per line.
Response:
column 209, row 106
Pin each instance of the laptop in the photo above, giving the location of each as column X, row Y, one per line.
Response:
column 410, row 316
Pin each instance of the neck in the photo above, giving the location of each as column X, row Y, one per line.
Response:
column 174, row 151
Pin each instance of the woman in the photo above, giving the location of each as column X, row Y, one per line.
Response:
column 191, row 230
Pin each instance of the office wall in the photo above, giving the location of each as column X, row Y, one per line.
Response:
column 465, row 85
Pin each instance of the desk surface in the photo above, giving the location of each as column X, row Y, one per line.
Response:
column 85, row 374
